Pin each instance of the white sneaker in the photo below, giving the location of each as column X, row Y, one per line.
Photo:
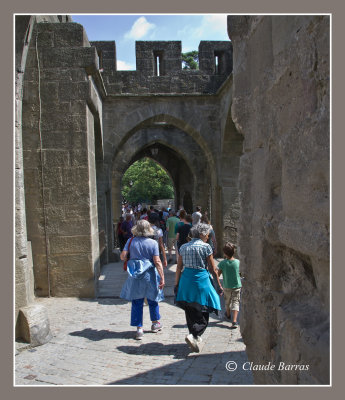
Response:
column 198, row 339
column 139, row 334
column 192, row 343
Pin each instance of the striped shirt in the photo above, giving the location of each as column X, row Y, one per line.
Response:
column 194, row 254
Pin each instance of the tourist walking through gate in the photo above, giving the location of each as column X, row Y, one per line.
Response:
column 194, row 289
column 196, row 216
column 127, row 226
column 119, row 234
column 158, row 236
column 230, row 268
column 171, row 223
column 183, row 230
column 212, row 236
column 146, row 277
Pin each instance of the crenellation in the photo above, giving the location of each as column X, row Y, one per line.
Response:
column 215, row 57
column 159, row 68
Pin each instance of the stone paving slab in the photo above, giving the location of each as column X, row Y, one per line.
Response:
column 93, row 344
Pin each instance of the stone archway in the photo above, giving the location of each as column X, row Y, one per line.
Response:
column 178, row 154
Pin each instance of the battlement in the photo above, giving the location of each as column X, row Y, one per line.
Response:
column 159, row 68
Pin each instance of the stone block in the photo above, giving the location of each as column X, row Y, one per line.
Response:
column 76, row 176
column 30, row 92
column 69, row 57
column 53, row 178
column 34, row 325
column 69, row 35
column 70, row 196
column 31, row 158
column 35, row 225
column 21, row 295
column 73, row 91
column 49, row 92
column 44, row 38
column 63, row 123
column 32, row 178
column 78, row 157
column 53, row 159
column 72, row 227
column 72, row 275
column 70, row 244
column 38, row 245
column 59, row 139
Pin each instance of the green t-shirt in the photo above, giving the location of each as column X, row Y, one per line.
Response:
column 231, row 273
column 171, row 222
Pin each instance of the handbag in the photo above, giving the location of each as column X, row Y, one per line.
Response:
column 128, row 255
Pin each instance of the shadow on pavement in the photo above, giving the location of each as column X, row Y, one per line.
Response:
column 178, row 350
column 203, row 369
column 113, row 300
column 95, row 335
column 218, row 324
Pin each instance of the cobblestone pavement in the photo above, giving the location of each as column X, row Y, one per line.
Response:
column 93, row 344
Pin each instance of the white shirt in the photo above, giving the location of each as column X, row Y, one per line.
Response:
column 158, row 232
column 196, row 217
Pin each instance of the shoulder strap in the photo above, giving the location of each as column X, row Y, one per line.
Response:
column 129, row 244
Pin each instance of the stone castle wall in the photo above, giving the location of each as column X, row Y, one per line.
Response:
column 171, row 79
column 61, row 107
column 281, row 107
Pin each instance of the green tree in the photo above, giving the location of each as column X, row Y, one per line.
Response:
column 190, row 60
column 146, row 181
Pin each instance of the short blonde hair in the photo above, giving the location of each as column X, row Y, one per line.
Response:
column 143, row 228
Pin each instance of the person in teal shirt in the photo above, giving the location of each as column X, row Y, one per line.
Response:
column 230, row 268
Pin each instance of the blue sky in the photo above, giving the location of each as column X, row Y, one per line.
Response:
column 126, row 29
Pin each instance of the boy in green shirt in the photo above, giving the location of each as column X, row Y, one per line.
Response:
column 230, row 268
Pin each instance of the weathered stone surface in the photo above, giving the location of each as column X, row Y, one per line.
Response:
column 34, row 323
column 281, row 106
column 171, row 79
column 72, row 275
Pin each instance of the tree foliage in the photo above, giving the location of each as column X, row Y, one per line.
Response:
column 146, row 181
column 190, row 60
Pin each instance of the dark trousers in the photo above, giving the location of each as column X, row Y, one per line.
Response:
column 122, row 242
column 197, row 321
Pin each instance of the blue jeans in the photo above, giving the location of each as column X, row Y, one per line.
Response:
column 137, row 311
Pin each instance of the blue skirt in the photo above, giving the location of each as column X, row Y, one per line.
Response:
column 143, row 280
column 196, row 290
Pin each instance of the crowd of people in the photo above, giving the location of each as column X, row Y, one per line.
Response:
column 144, row 235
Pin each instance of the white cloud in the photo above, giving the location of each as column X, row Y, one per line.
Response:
column 215, row 22
column 190, row 32
column 123, row 66
column 209, row 24
column 139, row 29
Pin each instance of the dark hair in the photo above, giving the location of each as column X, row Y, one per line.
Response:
column 188, row 218
column 198, row 208
column 144, row 210
column 153, row 218
column 205, row 219
column 229, row 249
column 182, row 214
